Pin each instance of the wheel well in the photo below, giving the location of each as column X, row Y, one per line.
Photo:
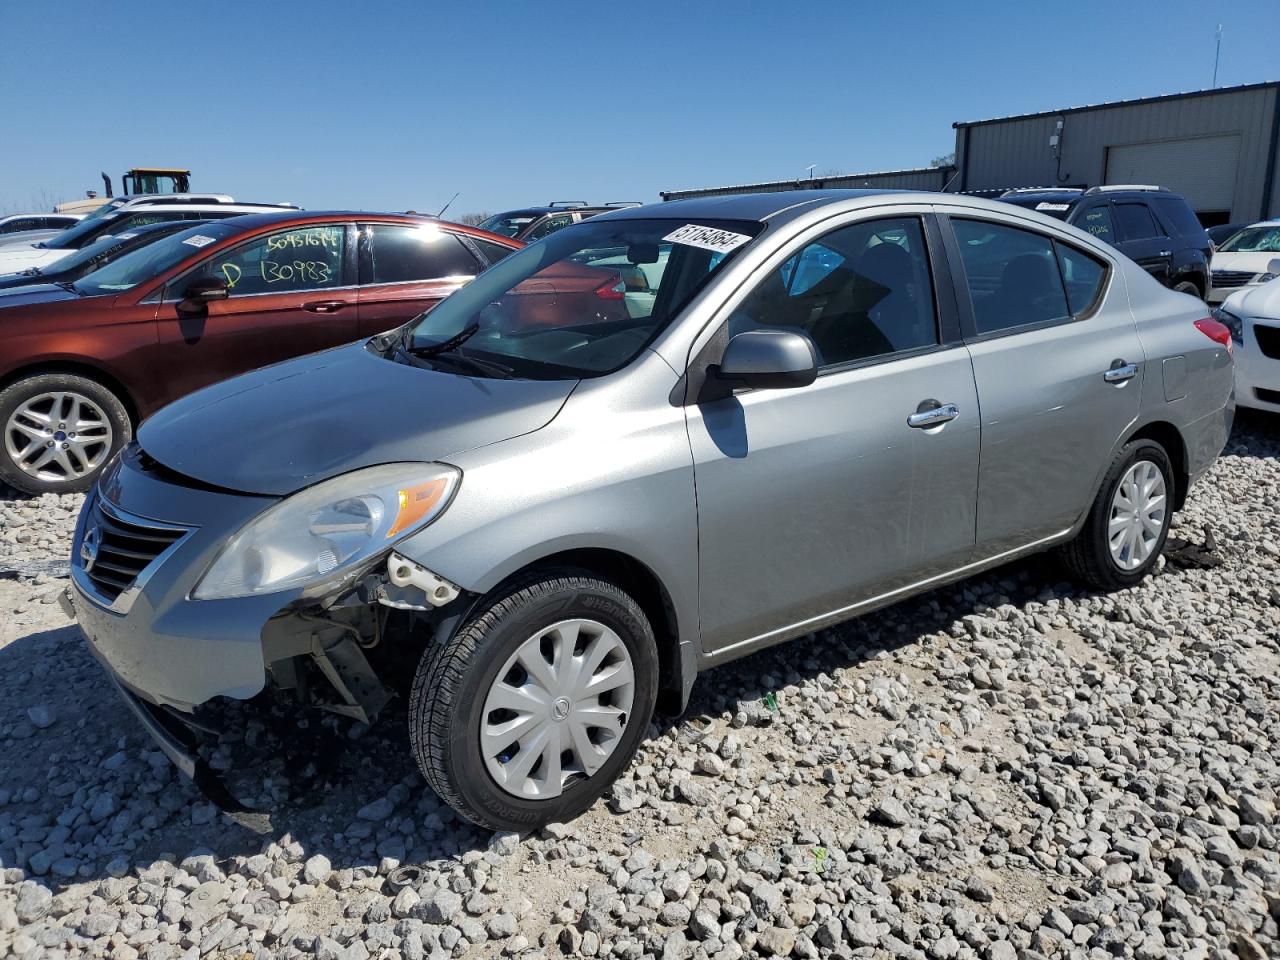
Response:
column 79, row 370
column 1167, row 435
column 648, row 591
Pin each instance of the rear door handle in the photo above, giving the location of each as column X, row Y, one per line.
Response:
column 933, row 416
column 324, row 306
column 1120, row 372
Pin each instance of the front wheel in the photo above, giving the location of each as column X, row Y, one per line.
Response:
column 1129, row 521
column 1186, row 286
column 532, row 709
column 59, row 431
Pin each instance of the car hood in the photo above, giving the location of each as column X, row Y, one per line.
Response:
column 21, row 257
column 34, row 292
column 1255, row 261
column 1262, row 301
column 288, row 426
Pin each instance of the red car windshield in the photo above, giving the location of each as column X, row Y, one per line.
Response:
column 152, row 260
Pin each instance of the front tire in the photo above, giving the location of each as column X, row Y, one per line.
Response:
column 1129, row 521
column 59, row 431
column 1186, row 286
column 532, row 709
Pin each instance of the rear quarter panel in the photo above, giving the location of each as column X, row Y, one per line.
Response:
column 1190, row 378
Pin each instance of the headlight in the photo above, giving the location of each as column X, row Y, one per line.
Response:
column 315, row 535
column 1265, row 277
column 1231, row 322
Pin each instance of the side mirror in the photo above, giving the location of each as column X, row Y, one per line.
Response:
column 201, row 292
column 1274, row 267
column 768, row 359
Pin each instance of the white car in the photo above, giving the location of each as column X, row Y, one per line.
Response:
column 1253, row 316
column 1244, row 260
column 114, row 219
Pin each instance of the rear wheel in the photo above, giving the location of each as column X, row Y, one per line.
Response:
column 60, row 429
column 531, row 710
column 1129, row 521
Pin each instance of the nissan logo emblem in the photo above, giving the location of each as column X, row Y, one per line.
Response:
column 89, row 548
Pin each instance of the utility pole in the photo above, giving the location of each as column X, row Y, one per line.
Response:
column 810, row 170
column 1216, row 53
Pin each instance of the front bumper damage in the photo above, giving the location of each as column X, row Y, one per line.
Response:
column 173, row 658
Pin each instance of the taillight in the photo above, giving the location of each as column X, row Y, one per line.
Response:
column 1215, row 331
column 611, row 290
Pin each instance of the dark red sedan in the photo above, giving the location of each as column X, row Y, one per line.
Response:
column 82, row 363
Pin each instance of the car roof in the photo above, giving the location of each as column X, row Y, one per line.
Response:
column 251, row 221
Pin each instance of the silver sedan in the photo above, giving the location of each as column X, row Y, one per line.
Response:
column 648, row 444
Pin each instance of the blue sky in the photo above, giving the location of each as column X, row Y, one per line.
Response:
column 394, row 106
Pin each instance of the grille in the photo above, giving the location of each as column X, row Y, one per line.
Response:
column 1268, row 396
column 1268, row 340
column 120, row 549
column 1232, row 278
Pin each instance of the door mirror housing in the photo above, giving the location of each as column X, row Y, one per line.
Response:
column 768, row 359
column 1273, row 267
column 199, row 293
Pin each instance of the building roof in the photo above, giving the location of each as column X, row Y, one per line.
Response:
column 1240, row 88
column 802, row 183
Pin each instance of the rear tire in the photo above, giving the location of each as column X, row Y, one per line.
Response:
column 1126, row 529
column 59, row 431
column 567, row 733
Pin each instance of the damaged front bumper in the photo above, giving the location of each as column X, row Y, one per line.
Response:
column 133, row 570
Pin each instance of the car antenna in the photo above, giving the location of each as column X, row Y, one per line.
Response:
column 448, row 205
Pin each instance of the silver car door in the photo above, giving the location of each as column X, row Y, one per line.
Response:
column 815, row 499
column 1059, row 367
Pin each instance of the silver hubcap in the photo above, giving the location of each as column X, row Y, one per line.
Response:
column 557, row 709
column 58, row 436
column 1137, row 515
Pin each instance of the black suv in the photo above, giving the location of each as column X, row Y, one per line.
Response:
column 534, row 223
column 1150, row 225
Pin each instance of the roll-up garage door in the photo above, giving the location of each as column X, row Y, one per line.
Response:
column 1203, row 169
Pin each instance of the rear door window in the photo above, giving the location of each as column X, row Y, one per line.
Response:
column 1012, row 275
column 1083, row 275
column 1178, row 216
column 1136, row 223
column 493, row 252
column 397, row 253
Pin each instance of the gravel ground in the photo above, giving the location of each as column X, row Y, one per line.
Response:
column 1009, row 768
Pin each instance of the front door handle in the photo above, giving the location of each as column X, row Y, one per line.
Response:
column 324, row 306
column 932, row 414
column 1120, row 372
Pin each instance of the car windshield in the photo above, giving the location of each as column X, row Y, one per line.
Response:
column 581, row 303
column 1254, row 240
column 73, row 238
column 149, row 261
column 105, row 249
column 111, row 206
column 508, row 224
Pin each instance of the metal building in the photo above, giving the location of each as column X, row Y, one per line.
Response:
column 1218, row 148
column 920, row 178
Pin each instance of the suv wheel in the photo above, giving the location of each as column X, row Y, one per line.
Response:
column 59, row 431
column 1129, row 521
column 532, row 709
column 1186, row 286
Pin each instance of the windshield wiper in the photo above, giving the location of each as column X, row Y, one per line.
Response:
column 501, row 370
column 67, row 285
column 444, row 346
column 31, row 272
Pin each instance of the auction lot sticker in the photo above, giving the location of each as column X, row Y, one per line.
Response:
column 199, row 240
column 707, row 238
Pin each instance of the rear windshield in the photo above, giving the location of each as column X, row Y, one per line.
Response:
column 150, row 261
column 580, row 303
column 1254, row 240
column 1176, row 213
